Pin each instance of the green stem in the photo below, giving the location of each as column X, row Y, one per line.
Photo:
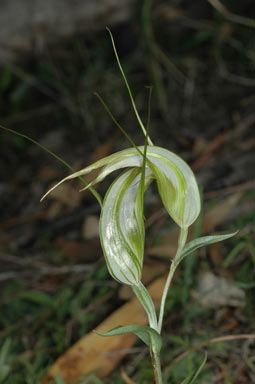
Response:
column 148, row 305
column 116, row 123
column 155, row 357
column 145, row 299
column 174, row 265
column 128, row 88
column 165, row 292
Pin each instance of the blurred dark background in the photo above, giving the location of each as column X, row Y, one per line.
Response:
column 200, row 59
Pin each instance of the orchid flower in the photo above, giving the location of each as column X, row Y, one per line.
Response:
column 122, row 231
column 121, row 222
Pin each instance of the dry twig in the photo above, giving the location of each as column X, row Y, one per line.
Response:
column 125, row 377
column 231, row 16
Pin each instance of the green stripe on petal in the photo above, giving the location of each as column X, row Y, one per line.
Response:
column 121, row 230
column 176, row 182
column 109, row 164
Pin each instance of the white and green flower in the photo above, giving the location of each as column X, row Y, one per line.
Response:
column 122, row 227
column 121, row 222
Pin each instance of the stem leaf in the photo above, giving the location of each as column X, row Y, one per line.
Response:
column 195, row 244
column 148, row 335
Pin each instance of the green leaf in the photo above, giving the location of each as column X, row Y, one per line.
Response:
column 37, row 297
column 191, row 379
column 148, row 335
column 122, row 228
column 5, row 79
column 203, row 242
column 234, row 252
column 242, row 285
column 6, row 360
column 19, row 93
column 4, row 372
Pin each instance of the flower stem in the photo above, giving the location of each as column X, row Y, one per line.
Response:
column 163, row 300
column 147, row 303
column 174, row 265
column 155, row 357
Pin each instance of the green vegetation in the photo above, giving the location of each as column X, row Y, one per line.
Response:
column 199, row 79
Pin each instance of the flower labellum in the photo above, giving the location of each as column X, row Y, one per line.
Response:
column 122, row 227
